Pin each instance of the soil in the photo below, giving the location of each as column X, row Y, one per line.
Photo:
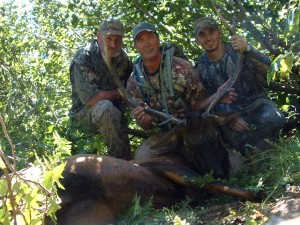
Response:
column 284, row 210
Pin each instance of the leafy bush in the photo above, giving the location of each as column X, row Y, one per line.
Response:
column 28, row 195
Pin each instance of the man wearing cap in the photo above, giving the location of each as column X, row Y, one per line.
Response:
column 259, row 117
column 97, row 104
column 168, row 84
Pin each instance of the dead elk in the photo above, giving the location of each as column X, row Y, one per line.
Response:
column 99, row 189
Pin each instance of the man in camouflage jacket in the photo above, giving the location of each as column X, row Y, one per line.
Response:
column 260, row 118
column 97, row 104
column 168, row 84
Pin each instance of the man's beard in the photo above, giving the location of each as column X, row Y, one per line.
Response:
column 108, row 56
column 112, row 54
column 106, row 52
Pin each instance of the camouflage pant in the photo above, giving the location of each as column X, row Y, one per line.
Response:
column 265, row 121
column 146, row 150
column 111, row 123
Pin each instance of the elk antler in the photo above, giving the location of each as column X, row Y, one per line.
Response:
column 231, row 82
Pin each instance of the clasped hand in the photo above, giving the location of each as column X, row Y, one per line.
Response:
column 238, row 43
column 144, row 119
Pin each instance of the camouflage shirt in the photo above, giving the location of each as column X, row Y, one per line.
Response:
column 250, row 84
column 89, row 74
column 187, row 88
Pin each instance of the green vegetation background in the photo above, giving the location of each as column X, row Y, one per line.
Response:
column 39, row 38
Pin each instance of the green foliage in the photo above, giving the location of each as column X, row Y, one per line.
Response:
column 30, row 194
column 272, row 170
column 39, row 39
column 281, row 68
column 180, row 214
column 32, row 69
column 248, row 215
column 293, row 21
column 91, row 141
column 201, row 181
column 137, row 213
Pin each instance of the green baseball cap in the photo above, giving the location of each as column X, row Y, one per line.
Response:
column 112, row 26
column 142, row 26
column 202, row 23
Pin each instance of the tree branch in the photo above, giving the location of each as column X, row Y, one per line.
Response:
column 284, row 88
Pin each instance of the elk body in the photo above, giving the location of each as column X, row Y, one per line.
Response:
column 99, row 189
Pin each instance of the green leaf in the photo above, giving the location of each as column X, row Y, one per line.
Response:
column 4, row 216
column 16, row 187
column 53, row 176
column 286, row 64
column 50, row 129
column 53, row 206
column 48, row 179
column 29, row 197
column 292, row 23
column 3, row 187
column 58, row 171
column 274, row 68
column 75, row 20
column 2, row 164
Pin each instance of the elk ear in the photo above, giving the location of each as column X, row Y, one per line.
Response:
column 225, row 117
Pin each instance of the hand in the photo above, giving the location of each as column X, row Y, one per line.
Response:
column 239, row 43
column 229, row 97
column 143, row 119
column 239, row 124
column 139, row 113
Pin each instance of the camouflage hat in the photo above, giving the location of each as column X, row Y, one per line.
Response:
column 112, row 26
column 143, row 26
column 202, row 23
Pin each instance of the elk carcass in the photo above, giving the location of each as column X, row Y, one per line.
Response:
column 99, row 189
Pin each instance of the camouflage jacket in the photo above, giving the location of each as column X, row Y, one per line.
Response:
column 250, row 84
column 187, row 88
column 89, row 74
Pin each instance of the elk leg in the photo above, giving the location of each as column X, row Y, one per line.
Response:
column 220, row 188
column 171, row 169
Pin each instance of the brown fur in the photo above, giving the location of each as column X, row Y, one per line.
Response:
column 107, row 186
column 99, row 189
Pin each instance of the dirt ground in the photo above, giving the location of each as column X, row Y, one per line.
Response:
column 282, row 211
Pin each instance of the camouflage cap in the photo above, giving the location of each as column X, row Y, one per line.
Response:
column 112, row 26
column 202, row 23
column 142, row 26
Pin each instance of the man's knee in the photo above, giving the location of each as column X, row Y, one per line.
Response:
column 105, row 112
column 273, row 118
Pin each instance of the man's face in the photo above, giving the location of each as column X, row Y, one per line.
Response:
column 147, row 43
column 209, row 39
column 110, row 44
